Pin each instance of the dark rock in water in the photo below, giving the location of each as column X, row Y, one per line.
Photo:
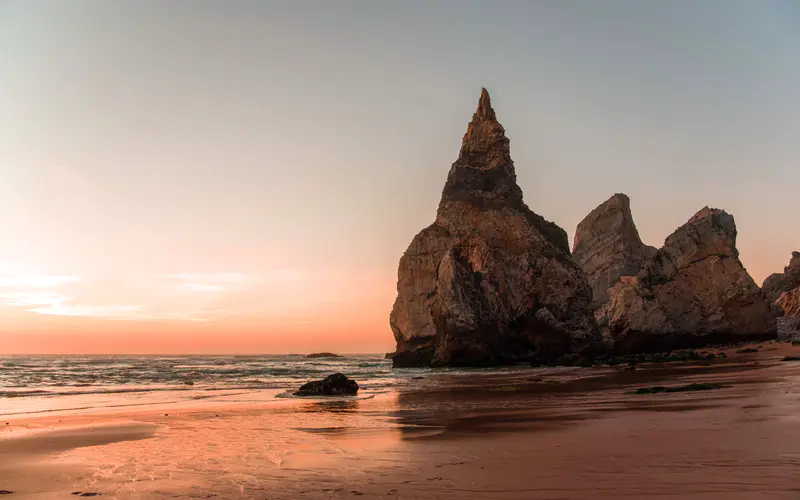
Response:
column 323, row 355
column 684, row 355
column 6, row 492
column 86, row 494
column 748, row 350
column 778, row 283
column 694, row 291
column 682, row 388
column 489, row 282
column 389, row 355
column 607, row 246
column 332, row 385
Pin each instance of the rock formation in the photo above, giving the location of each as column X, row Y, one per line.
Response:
column 317, row 355
column 332, row 385
column 789, row 302
column 489, row 282
column 692, row 292
column 789, row 279
column 789, row 322
column 607, row 246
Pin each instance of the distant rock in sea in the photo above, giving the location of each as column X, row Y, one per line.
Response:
column 322, row 355
column 332, row 385
column 607, row 246
column 489, row 282
column 693, row 291
column 778, row 283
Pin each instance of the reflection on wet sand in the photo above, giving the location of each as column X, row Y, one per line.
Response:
column 557, row 398
column 518, row 433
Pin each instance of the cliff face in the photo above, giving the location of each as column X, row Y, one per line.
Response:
column 789, row 302
column 489, row 282
column 607, row 246
column 693, row 291
column 789, row 279
column 789, row 322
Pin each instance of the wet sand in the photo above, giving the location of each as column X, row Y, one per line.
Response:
column 570, row 433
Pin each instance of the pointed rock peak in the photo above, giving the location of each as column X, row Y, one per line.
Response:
column 710, row 230
column 620, row 197
column 777, row 283
column 705, row 212
column 616, row 202
column 485, row 145
column 794, row 263
column 608, row 246
column 484, row 111
column 611, row 219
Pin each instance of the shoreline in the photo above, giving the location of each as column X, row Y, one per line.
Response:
column 563, row 432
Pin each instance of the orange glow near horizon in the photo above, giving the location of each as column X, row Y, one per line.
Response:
column 363, row 331
column 347, row 318
column 213, row 317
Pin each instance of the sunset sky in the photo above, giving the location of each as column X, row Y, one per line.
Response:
column 238, row 177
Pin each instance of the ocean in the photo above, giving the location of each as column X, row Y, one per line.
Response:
column 37, row 384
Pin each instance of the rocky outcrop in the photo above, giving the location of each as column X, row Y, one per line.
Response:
column 789, row 302
column 332, row 385
column 694, row 291
column 789, row 279
column 607, row 246
column 789, row 322
column 318, row 355
column 489, row 282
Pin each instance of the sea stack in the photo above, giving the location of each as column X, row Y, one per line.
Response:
column 607, row 246
column 693, row 291
column 778, row 283
column 489, row 282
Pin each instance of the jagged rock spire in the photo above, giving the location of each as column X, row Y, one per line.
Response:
column 484, row 172
column 608, row 246
column 777, row 283
column 489, row 281
column 485, row 145
column 485, row 110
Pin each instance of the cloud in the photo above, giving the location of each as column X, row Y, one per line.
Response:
column 42, row 293
column 214, row 282
column 61, row 305
column 22, row 288
column 27, row 299
column 12, row 276
column 199, row 287
column 112, row 311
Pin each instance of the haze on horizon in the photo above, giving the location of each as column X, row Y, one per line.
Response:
column 243, row 177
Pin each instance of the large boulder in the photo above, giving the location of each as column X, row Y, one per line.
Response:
column 489, row 282
column 332, row 385
column 789, row 279
column 694, row 291
column 607, row 246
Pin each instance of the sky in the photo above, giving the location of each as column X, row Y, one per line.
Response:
column 243, row 177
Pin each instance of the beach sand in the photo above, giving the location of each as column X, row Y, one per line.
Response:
column 548, row 433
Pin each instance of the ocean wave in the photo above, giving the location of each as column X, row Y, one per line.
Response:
column 73, row 375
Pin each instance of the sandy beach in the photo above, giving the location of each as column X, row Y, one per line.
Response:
column 520, row 432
